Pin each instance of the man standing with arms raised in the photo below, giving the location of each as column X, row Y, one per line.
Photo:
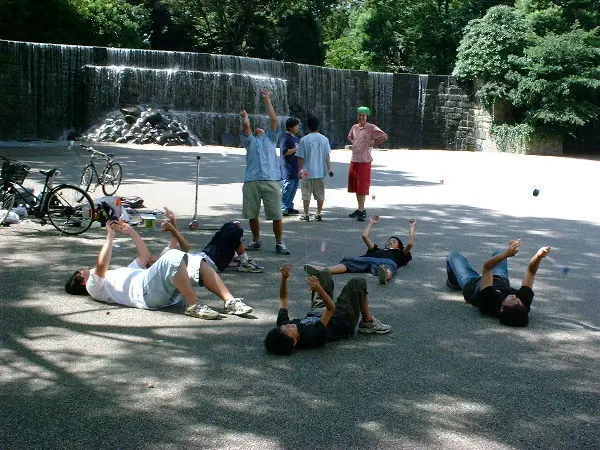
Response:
column 261, row 182
column 363, row 136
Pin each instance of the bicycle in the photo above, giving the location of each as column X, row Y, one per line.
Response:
column 68, row 208
column 109, row 178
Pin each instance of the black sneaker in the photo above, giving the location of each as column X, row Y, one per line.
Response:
column 354, row 214
column 361, row 216
column 293, row 212
column 285, row 213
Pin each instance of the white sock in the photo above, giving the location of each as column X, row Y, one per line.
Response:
column 243, row 257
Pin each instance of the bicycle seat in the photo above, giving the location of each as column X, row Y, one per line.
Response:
column 49, row 173
column 110, row 155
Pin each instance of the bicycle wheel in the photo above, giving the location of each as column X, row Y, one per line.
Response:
column 70, row 209
column 7, row 200
column 87, row 174
column 111, row 178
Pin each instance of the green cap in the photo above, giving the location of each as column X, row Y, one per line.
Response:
column 364, row 110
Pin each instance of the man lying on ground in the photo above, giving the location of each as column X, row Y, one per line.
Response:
column 152, row 285
column 382, row 262
column 339, row 320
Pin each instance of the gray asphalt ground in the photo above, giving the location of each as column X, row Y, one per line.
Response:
column 80, row 374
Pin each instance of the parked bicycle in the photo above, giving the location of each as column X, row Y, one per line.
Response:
column 109, row 178
column 68, row 208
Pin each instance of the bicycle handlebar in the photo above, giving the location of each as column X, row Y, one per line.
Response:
column 92, row 150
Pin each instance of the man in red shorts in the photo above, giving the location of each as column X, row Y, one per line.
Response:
column 363, row 136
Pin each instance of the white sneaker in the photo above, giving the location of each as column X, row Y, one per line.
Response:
column 236, row 306
column 250, row 266
column 201, row 311
column 375, row 326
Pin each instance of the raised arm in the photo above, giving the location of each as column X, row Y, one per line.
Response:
column 367, row 231
column 315, row 285
column 176, row 237
column 106, row 251
column 245, row 123
column 143, row 254
column 487, row 276
column 411, row 236
column 283, row 288
column 534, row 265
column 266, row 95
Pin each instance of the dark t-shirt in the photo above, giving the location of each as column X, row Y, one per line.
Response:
column 312, row 331
column 289, row 164
column 395, row 254
column 489, row 300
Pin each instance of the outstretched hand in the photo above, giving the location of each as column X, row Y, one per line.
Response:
column 286, row 270
column 513, row 248
column 243, row 114
column 167, row 225
column 543, row 252
column 265, row 93
column 374, row 219
column 170, row 215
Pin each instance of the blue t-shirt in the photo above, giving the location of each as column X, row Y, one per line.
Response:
column 289, row 164
column 314, row 148
column 261, row 157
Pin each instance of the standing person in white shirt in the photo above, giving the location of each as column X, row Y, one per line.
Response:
column 314, row 164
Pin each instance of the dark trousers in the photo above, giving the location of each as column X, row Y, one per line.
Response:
column 222, row 246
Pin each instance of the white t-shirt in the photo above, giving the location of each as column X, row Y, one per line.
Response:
column 123, row 286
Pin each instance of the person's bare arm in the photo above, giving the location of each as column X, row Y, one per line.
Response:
column 283, row 288
column 329, row 171
column 534, row 265
column 315, row 285
column 487, row 277
column 266, row 95
column 105, row 254
column 245, row 123
column 173, row 243
column 379, row 137
column 176, row 236
column 291, row 150
column 351, row 135
column 367, row 231
column 143, row 254
column 411, row 236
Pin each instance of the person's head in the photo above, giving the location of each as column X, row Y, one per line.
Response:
column 76, row 283
column 282, row 340
column 363, row 113
column 292, row 125
column 312, row 123
column 394, row 242
column 514, row 312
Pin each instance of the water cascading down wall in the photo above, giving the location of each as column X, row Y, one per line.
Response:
column 49, row 88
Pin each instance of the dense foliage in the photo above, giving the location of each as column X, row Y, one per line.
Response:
column 541, row 60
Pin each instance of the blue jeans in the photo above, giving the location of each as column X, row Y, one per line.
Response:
column 461, row 273
column 368, row 264
column 288, row 192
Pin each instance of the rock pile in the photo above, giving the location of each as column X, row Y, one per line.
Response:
column 138, row 125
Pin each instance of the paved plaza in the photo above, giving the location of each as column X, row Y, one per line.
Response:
column 76, row 373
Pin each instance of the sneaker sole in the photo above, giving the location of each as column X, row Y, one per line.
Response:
column 452, row 286
column 250, row 270
column 238, row 313
column 203, row 316
column 382, row 275
column 311, row 270
column 372, row 331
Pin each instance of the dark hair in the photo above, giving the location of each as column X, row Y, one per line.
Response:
column 279, row 343
column 400, row 244
column 312, row 123
column 75, row 284
column 291, row 122
column 514, row 315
